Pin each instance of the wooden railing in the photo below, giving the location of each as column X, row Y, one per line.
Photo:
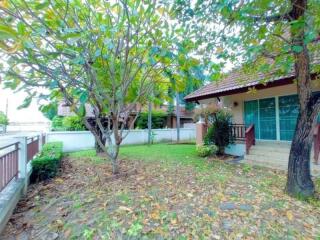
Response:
column 316, row 143
column 9, row 161
column 32, row 147
column 238, row 131
column 250, row 138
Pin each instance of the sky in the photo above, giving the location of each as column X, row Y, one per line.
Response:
column 30, row 114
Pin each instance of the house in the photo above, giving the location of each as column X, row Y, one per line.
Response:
column 265, row 110
column 186, row 117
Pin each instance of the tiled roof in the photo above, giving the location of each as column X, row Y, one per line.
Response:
column 238, row 80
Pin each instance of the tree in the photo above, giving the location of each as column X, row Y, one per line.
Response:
column 3, row 119
column 108, row 55
column 253, row 33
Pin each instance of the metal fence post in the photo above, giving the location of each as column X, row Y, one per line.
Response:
column 22, row 165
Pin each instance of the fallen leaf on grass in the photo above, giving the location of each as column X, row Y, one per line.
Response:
column 155, row 215
column 124, row 208
column 59, row 180
column 174, row 221
column 289, row 215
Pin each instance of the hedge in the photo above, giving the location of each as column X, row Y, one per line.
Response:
column 159, row 120
column 46, row 165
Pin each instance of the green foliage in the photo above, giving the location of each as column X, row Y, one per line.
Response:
column 46, row 165
column 3, row 119
column 135, row 229
column 56, row 124
column 69, row 123
column 107, row 54
column 50, row 110
column 250, row 32
column 206, row 150
column 159, row 120
column 73, row 123
column 246, row 168
column 219, row 133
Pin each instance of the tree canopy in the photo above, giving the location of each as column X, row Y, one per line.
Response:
column 273, row 37
column 108, row 55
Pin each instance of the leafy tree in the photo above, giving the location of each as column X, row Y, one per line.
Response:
column 73, row 123
column 49, row 110
column 105, row 54
column 56, row 124
column 268, row 36
column 3, row 119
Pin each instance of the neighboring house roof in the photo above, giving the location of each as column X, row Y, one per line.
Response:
column 238, row 81
column 64, row 111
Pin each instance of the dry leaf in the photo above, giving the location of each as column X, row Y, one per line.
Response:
column 289, row 215
column 155, row 215
column 124, row 208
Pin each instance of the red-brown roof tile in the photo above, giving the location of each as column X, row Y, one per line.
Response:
column 238, row 81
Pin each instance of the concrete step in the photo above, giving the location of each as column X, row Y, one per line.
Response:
column 263, row 148
column 274, row 155
column 267, row 164
column 273, row 144
column 267, row 158
column 255, row 153
column 269, row 154
column 315, row 170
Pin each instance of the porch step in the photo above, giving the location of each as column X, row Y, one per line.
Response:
column 274, row 155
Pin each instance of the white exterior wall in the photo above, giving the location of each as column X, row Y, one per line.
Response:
column 236, row 104
column 75, row 141
column 237, row 149
column 238, row 108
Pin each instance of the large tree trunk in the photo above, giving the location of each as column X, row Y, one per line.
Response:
column 114, row 158
column 299, row 182
column 102, row 139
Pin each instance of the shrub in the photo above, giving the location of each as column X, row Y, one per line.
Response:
column 206, row 150
column 57, row 124
column 73, row 123
column 46, row 165
column 219, row 133
column 159, row 120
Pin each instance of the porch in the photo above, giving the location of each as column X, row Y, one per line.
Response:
column 269, row 153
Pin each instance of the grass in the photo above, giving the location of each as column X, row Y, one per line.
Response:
column 175, row 195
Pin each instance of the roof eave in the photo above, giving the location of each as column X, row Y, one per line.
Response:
column 259, row 86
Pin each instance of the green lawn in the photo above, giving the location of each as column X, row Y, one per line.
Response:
column 173, row 195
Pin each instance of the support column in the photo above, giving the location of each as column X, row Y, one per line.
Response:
column 201, row 131
column 22, row 165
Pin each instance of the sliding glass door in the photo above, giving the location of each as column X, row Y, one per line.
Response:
column 267, row 115
column 251, row 115
column 262, row 114
column 288, row 113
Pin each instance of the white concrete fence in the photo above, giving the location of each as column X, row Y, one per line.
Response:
column 82, row 140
